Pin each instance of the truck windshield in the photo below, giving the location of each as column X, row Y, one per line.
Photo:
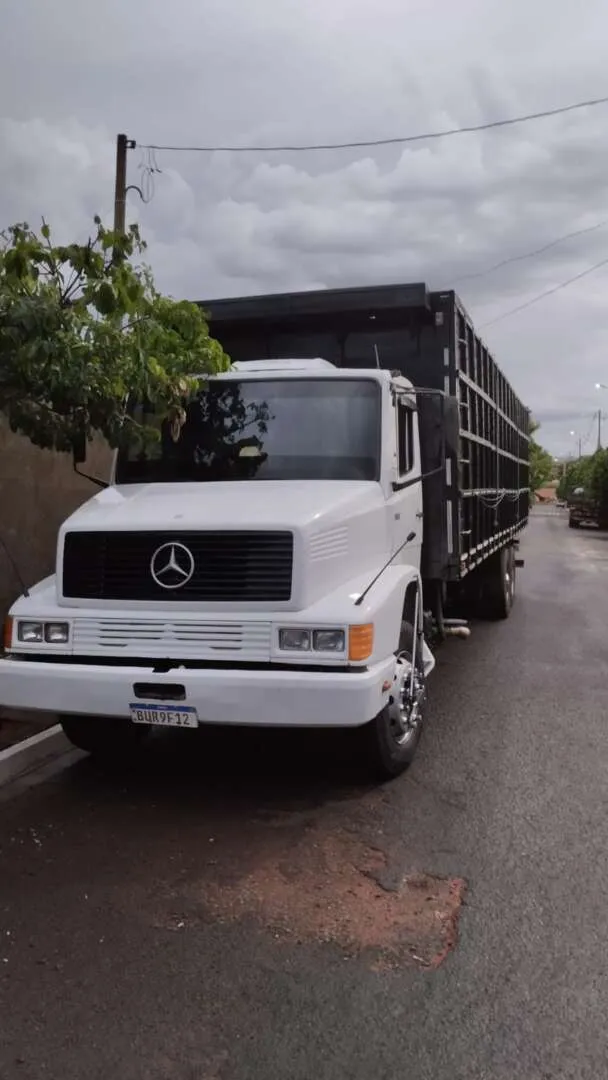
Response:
column 258, row 429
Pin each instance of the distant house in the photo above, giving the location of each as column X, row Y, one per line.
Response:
column 547, row 494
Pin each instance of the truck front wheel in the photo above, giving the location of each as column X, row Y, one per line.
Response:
column 103, row 737
column 392, row 737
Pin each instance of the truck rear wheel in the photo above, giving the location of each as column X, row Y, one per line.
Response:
column 392, row 737
column 103, row 737
column 498, row 585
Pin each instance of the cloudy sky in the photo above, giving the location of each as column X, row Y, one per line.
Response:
column 73, row 73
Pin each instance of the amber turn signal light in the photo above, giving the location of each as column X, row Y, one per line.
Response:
column 7, row 637
column 360, row 642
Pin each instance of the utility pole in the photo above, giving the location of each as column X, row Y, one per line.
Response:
column 580, row 443
column 599, row 429
column 120, row 188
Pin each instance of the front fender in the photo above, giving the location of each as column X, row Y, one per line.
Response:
column 384, row 606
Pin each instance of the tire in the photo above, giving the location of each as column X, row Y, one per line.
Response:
column 574, row 524
column 389, row 748
column 498, row 586
column 103, row 737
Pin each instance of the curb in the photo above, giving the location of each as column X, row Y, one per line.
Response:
column 19, row 759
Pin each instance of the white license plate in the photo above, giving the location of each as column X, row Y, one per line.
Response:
column 164, row 715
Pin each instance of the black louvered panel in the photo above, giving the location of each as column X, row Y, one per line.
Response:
column 228, row 566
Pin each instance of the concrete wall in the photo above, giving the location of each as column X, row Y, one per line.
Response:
column 38, row 489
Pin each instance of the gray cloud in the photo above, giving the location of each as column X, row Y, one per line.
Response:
column 228, row 71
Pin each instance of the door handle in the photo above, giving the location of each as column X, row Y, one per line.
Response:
column 420, row 514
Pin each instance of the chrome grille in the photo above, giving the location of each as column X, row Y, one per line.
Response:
column 176, row 640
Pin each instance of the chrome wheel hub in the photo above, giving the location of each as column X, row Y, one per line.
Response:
column 509, row 585
column 406, row 701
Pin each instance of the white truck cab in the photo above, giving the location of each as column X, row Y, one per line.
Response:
column 258, row 565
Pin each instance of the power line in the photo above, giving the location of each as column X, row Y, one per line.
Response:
column 530, row 254
column 547, row 292
column 400, row 139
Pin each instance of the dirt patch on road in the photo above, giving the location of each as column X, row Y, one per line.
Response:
column 308, row 865
column 327, row 888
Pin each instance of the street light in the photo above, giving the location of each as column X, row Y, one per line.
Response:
column 601, row 386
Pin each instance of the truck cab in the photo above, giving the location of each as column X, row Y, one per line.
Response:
column 258, row 563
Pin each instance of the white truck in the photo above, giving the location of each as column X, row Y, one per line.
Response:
column 283, row 554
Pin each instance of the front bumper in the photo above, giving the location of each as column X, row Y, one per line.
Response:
column 276, row 698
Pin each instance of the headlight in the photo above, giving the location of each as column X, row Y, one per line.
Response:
column 51, row 633
column 304, row 639
column 30, row 632
column 57, row 633
column 294, row 640
column 328, row 640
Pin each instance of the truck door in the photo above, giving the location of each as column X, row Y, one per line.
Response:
column 405, row 501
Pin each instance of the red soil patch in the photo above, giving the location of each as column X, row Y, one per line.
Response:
column 326, row 888
column 304, row 875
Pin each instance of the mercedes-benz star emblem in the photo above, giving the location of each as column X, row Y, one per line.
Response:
column 172, row 566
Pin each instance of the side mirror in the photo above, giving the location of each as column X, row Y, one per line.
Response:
column 79, row 448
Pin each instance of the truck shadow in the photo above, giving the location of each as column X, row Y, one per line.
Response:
column 217, row 767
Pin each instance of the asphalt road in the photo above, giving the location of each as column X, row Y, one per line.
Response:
column 239, row 919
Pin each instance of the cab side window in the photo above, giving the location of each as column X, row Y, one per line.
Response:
column 405, row 437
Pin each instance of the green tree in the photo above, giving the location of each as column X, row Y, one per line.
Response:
column 598, row 484
column 82, row 328
column 541, row 462
column 576, row 474
column 591, row 474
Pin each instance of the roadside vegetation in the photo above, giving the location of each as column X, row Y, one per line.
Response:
column 542, row 465
column 589, row 473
